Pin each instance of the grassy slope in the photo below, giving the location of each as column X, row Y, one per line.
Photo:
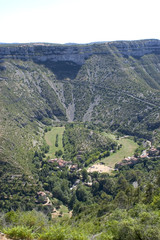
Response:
column 128, row 148
column 50, row 138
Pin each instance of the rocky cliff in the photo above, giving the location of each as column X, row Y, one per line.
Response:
column 137, row 48
column 42, row 53
column 77, row 53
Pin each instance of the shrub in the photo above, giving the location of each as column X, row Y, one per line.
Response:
column 62, row 233
column 19, row 233
column 33, row 219
column 105, row 236
column 53, row 234
column 11, row 217
column 74, row 235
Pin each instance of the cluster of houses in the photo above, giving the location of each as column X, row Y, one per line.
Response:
column 127, row 161
column 152, row 152
column 62, row 163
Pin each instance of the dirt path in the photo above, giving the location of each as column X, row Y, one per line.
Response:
column 48, row 201
column 100, row 168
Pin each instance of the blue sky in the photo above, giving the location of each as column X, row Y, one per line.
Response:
column 80, row 21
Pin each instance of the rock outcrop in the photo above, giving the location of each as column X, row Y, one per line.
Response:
column 77, row 53
column 137, row 48
column 42, row 53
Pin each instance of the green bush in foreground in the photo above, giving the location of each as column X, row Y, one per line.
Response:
column 34, row 220
column 104, row 236
column 62, row 233
column 19, row 233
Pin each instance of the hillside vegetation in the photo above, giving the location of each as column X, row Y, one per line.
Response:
column 63, row 108
column 121, row 92
column 84, row 144
column 113, row 207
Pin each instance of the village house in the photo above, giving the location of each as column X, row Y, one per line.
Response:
column 144, row 154
column 16, row 176
column 61, row 162
column 75, row 184
column 152, row 152
column 127, row 161
column 41, row 197
column 88, row 184
column 41, row 194
column 73, row 167
column 53, row 160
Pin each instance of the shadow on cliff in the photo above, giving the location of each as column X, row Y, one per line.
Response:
column 62, row 69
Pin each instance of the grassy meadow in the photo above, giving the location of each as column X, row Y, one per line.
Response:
column 50, row 138
column 127, row 150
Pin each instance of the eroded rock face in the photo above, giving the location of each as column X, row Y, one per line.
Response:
column 42, row 53
column 137, row 48
column 78, row 53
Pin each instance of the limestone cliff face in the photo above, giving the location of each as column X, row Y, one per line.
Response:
column 137, row 48
column 42, row 53
column 78, row 53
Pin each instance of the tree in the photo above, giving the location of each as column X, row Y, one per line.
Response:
column 149, row 193
column 158, row 178
column 121, row 199
column 84, row 174
column 95, row 187
column 72, row 201
column 126, row 230
column 56, row 142
column 122, row 182
column 82, row 193
column 58, row 153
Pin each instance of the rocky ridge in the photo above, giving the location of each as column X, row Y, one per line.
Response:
column 78, row 53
